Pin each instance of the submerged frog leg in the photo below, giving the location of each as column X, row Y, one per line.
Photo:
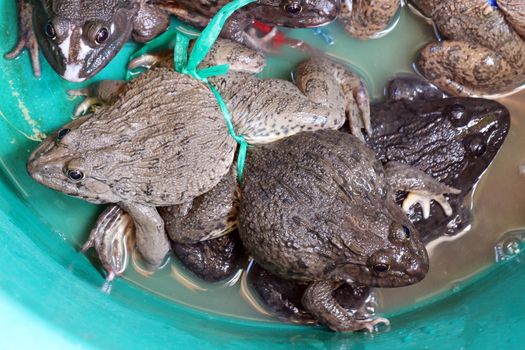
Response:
column 97, row 94
column 422, row 187
column 149, row 22
column 465, row 69
column 329, row 83
column 319, row 300
column 110, row 237
column 412, row 88
column 514, row 11
column 26, row 36
column 364, row 19
column 151, row 238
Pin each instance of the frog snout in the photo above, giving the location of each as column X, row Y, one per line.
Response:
column 417, row 269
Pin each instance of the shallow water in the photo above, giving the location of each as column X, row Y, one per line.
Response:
column 497, row 206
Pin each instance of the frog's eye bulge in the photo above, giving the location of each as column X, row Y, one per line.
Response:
column 62, row 133
column 293, row 8
column 74, row 170
column 49, row 31
column 475, row 145
column 380, row 268
column 379, row 263
column 457, row 114
column 399, row 233
column 96, row 33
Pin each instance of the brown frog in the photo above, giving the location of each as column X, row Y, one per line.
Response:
column 483, row 51
column 319, row 208
column 79, row 38
column 365, row 19
column 163, row 140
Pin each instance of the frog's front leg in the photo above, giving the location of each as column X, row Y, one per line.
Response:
column 364, row 19
column 151, row 238
column 320, row 301
column 26, row 36
column 97, row 94
column 514, row 11
column 421, row 187
column 111, row 237
column 328, row 83
column 149, row 22
column 465, row 69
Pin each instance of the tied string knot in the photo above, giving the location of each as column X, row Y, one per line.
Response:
column 187, row 64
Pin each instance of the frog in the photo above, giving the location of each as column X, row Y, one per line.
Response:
column 79, row 38
column 364, row 19
column 162, row 140
column 482, row 48
column 453, row 139
column 319, row 207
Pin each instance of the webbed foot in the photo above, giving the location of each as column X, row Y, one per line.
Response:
column 112, row 238
column 98, row 94
column 421, row 187
column 26, row 37
column 319, row 300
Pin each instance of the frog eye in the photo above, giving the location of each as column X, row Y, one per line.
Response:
column 49, row 31
column 457, row 114
column 293, row 8
column 75, row 175
column 381, row 268
column 476, row 146
column 96, row 33
column 400, row 234
column 62, row 133
column 102, row 35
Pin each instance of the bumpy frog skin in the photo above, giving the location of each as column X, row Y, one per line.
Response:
column 79, row 38
column 365, row 19
column 483, row 52
column 319, row 207
column 163, row 141
column 452, row 139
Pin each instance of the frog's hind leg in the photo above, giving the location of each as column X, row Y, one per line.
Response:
column 320, row 301
column 465, row 69
column 112, row 237
column 26, row 36
column 421, row 187
column 328, row 83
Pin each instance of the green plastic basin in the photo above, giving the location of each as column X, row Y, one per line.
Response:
column 50, row 296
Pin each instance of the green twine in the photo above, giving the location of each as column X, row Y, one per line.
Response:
column 188, row 64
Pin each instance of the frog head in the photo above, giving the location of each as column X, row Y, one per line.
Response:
column 59, row 163
column 79, row 38
column 297, row 13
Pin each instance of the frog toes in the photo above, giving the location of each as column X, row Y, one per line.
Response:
column 424, row 200
column 370, row 325
column 261, row 43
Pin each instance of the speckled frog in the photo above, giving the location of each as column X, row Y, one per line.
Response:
column 79, row 38
column 483, row 52
column 365, row 19
column 319, row 207
column 163, row 140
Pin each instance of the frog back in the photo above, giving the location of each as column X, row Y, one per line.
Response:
column 311, row 202
column 163, row 142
